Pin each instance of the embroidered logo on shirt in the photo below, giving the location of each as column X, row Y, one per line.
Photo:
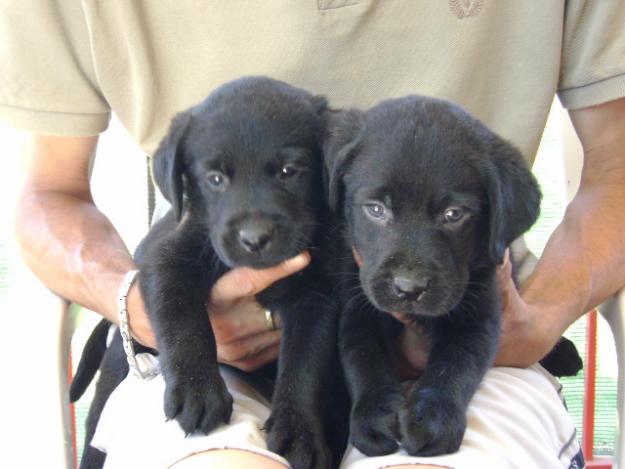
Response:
column 466, row 8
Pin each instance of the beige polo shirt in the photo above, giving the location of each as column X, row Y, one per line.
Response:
column 66, row 64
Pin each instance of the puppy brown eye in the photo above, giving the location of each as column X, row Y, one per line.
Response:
column 376, row 211
column 216, row 179
column 453, row 214
column 287, row 171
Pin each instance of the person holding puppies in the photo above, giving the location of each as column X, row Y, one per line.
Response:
column 68, row 65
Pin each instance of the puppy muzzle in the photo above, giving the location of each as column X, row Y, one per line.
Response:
column 259, row 241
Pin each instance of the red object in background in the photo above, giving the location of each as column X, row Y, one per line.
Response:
column 588, row 422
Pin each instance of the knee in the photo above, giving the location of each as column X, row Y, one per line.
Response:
column 231, row 458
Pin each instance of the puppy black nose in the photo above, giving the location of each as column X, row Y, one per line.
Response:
column 254, row 238
column 410, row 288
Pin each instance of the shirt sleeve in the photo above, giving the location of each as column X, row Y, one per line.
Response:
column 593, row 53
column 48, row 82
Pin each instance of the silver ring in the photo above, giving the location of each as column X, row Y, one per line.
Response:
column 269, row 320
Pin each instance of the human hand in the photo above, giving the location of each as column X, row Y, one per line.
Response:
column 527, row 335
column 243, row 337
column 238, row 321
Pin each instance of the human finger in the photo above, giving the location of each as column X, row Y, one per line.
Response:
column 245, row 318
column 403, row 318
column 263, row 358
column 252, row 352
column 244, row 281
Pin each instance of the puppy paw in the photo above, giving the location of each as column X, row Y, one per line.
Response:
column 198, row 404
column 298, row 438
column 374, row 422
column 431, row 424
column 563, row 359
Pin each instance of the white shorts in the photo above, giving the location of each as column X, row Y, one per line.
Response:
column 516, row 420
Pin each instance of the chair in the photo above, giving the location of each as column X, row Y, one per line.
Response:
column 36, row 332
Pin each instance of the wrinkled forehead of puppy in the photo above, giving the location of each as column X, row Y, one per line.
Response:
column 256, row 116
column 418, row 146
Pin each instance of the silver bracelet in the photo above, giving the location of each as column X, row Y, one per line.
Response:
column 124, row 328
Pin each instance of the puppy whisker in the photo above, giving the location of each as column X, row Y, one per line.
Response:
column 357, row 301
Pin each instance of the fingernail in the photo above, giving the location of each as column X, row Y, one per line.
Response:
column 506, row 257
column 297, row 262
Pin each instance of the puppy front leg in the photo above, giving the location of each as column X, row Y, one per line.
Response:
column 307, row 354
column 463, row 347
column 174, row 282
column 373, row 387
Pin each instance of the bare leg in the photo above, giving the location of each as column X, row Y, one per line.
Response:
column 230, row 458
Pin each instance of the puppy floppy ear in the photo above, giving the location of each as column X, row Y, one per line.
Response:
column 513, row 195
column 344, row 132
column 167, row 164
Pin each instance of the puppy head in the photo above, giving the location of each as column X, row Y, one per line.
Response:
column 429, row 196
column 246, row 163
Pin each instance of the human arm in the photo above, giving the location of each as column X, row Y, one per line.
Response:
column 584, row 260
column 64, row 239
column 78, row 254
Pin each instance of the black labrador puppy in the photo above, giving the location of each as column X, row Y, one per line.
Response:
column 430, row 198
column 243, row 173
